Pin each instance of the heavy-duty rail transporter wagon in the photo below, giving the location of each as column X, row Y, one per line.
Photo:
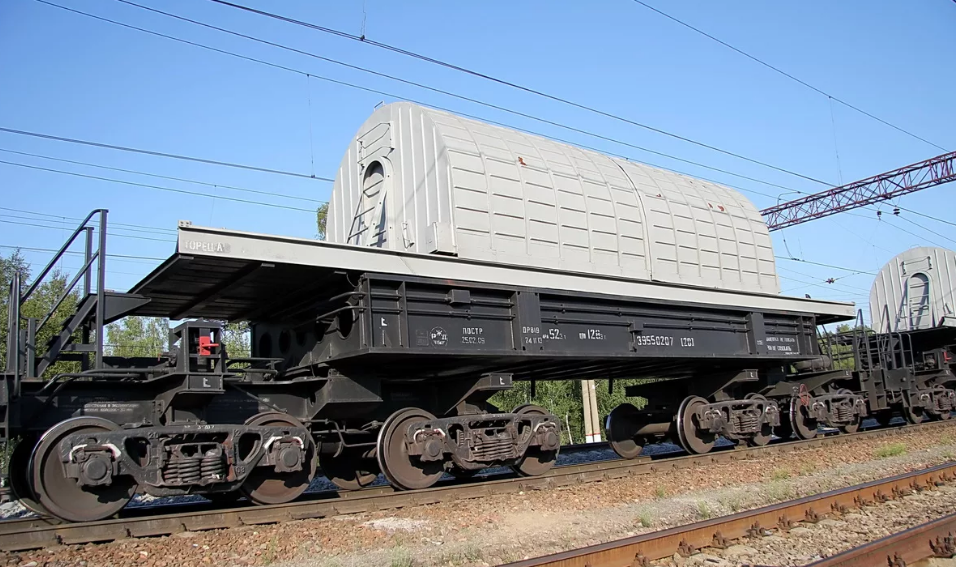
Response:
column 445, row 281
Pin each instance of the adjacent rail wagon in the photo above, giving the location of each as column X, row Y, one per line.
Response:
column 462, row 258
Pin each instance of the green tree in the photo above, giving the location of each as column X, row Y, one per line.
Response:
column 149, row 336
column 839, row 346
column 321, row 218
column 38, row 306
column 237, row 339
column 138, row 336
column 8, row 267
column 563, row 399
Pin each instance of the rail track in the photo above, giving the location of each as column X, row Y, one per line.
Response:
column 685, row 540
column 36, row 533
column 932, row 539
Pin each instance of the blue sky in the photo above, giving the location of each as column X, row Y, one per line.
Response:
column 69, row 75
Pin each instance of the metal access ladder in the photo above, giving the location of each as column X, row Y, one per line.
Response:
column 81, row 335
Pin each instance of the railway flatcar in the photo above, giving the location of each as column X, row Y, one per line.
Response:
column 462, row 257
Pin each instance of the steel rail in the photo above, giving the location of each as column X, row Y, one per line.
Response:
column 932, row 539
column 717, row 532
column 38, row 532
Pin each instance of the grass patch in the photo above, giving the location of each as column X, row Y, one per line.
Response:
column 779, row 491
column 949, row 455
column 472, row 553
column 660, row 492
column 469, row 554
column 891, row 450
column 401, row 558
column 946, row 440
column 808, row 468
column 646, row 519
column 732, row 503
column 703, row 510
column 270, row 555
column 780, row 474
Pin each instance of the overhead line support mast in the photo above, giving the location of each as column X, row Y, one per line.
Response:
column 909, row 179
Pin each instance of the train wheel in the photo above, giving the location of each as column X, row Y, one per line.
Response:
column 620, row 426
column 402, row 470
column 61, row 495
column 913, row 415
column 763, row 436
column 266, row 486
column 349, row 470
column 803, row 425
column 535, row 461
column 19, row 468
column 694, row 439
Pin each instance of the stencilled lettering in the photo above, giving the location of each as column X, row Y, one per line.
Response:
column 592, row 335
column 199, row 246
column 472, row 336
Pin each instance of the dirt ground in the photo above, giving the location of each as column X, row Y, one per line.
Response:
column 500, row 529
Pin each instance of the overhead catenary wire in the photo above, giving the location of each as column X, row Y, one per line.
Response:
column 117, row 256
column 153, row 152
column 824, row 265
column 412, row 83
column 926, row 229
column 924, row 215
column 62, row 218
column 838, row 286
column 109, row 233
column 785, row 74
column 887, row 223
column 168, row 177
column 158, row 187
column 517, row 86
column 70, row 225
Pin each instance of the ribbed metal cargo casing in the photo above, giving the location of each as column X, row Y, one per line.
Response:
column 421, row 180
column 915, row 290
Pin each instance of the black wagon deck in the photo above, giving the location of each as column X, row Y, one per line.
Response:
column 424, row 316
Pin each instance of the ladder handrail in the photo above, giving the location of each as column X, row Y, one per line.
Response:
column 67, row 290
column 13, row 330
column 59, row 254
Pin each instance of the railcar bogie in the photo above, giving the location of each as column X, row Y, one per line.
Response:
column 887, row 374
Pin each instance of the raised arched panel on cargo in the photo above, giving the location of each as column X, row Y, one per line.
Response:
column 370, row 221
column 918, row 298
column 462, row 187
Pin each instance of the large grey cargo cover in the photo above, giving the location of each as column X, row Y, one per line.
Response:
column 915, row 290
column 420, row 180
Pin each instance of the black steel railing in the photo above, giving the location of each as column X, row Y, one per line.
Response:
column 21, row 342
column 863, row 349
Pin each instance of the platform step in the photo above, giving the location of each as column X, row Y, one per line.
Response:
column 116, row 306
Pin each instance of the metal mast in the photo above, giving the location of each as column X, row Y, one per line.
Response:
column 929, row 173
